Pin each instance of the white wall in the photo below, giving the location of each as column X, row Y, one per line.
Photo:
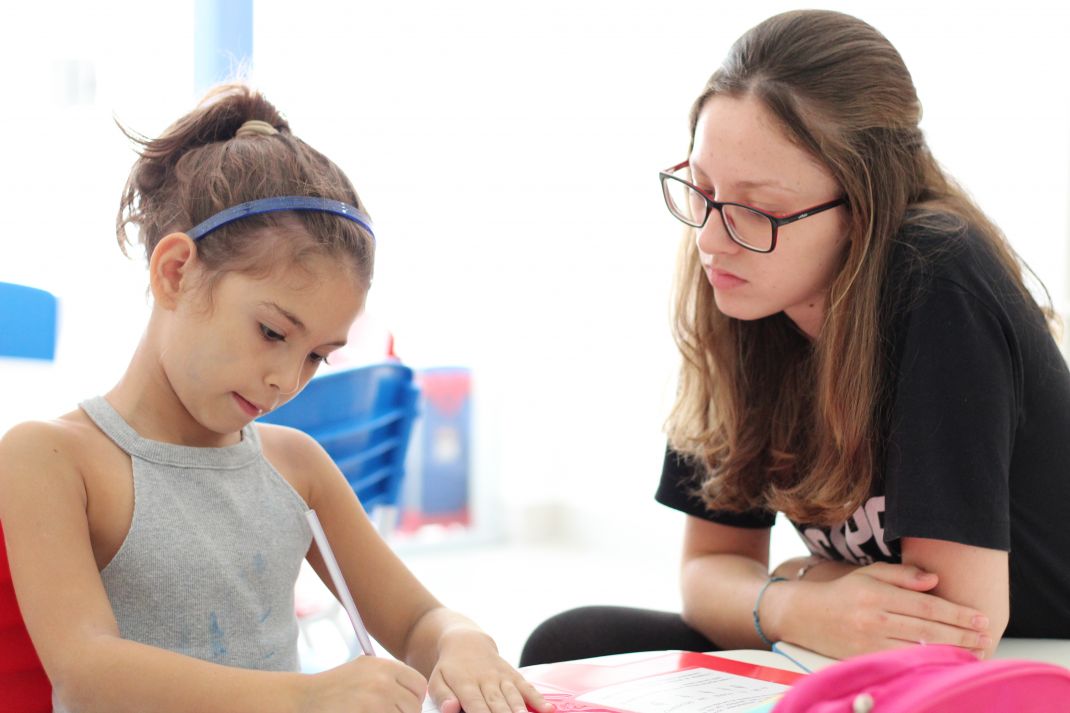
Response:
column 508, row 153
column 68, row 70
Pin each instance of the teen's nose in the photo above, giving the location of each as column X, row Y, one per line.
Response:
column 713, row 238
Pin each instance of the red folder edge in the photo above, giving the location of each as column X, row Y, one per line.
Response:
column 575, row 679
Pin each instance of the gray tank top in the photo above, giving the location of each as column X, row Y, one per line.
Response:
column 216, row 541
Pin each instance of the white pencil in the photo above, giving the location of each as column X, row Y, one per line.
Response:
column 339, row 583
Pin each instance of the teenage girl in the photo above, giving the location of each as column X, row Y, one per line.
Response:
column 155, row 533
column 859, row 353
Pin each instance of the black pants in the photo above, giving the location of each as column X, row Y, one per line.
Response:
column 600, row 631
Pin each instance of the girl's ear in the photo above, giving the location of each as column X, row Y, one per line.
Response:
column 171, row 268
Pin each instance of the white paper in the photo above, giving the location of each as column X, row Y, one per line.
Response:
column 697, row 690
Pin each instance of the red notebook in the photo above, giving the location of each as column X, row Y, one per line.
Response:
column 668, row 682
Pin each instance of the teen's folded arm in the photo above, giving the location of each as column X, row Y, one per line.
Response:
column 722, row 571
column 971, row 576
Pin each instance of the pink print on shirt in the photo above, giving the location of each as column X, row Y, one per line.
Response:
column 859, row 540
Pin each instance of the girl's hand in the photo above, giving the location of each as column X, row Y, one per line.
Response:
column 881, row 606
column 366, row 685
column 471, row 676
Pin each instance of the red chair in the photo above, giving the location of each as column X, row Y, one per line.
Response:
column 24, row 687
column 27, row 331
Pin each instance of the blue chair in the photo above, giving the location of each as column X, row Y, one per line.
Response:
column 27, row 322
column 363, row 419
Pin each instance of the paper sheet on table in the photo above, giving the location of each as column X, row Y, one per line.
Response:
column 692, row 691
column 676, row 682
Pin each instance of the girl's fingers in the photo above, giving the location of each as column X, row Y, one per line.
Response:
column 514, row 700
column 494, row 697
column 512, row 697
column 476, row 703
column 534, row 698
column 443, row 696
column 411, row 679
column 499, row 688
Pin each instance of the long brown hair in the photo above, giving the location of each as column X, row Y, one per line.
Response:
column 199, row 166
column 778, row 421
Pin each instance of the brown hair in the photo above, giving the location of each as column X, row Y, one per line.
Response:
column 198, row 167
column 781, row 422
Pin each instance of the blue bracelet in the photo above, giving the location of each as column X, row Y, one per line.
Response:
column 757, row 603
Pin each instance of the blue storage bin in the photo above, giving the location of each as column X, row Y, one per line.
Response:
column 363, row 419
column 27, row 322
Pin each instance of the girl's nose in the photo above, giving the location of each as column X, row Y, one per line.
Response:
column 285, row 377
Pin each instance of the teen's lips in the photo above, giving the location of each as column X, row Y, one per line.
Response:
column 722, row 279
column 248, row 406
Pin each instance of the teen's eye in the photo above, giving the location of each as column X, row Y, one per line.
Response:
column 317, row 358
column 707, row 190
column 270, row 334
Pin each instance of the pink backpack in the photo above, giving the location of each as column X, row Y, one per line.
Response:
column 930, row 679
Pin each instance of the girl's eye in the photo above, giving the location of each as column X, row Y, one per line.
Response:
column 270, row 334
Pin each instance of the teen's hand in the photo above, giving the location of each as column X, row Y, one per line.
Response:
column 368, row 684
column 818, row 569
column 881, row 606
column 471, row 676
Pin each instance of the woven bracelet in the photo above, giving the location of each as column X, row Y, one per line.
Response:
column 757, row 603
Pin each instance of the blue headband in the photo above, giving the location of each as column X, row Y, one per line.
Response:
column 281, row 203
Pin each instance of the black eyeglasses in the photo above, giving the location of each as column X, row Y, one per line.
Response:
column 749, row 227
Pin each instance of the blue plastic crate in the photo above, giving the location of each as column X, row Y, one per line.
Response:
column 363, row 419
column 27, row 322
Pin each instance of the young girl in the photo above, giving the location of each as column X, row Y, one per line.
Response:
column 155, row 533
column 859, row 353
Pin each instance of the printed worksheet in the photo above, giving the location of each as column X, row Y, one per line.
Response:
column 697, row 690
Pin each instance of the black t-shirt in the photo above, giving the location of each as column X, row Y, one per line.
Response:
column 977, row 447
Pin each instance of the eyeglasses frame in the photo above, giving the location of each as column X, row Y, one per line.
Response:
column 777, row 221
